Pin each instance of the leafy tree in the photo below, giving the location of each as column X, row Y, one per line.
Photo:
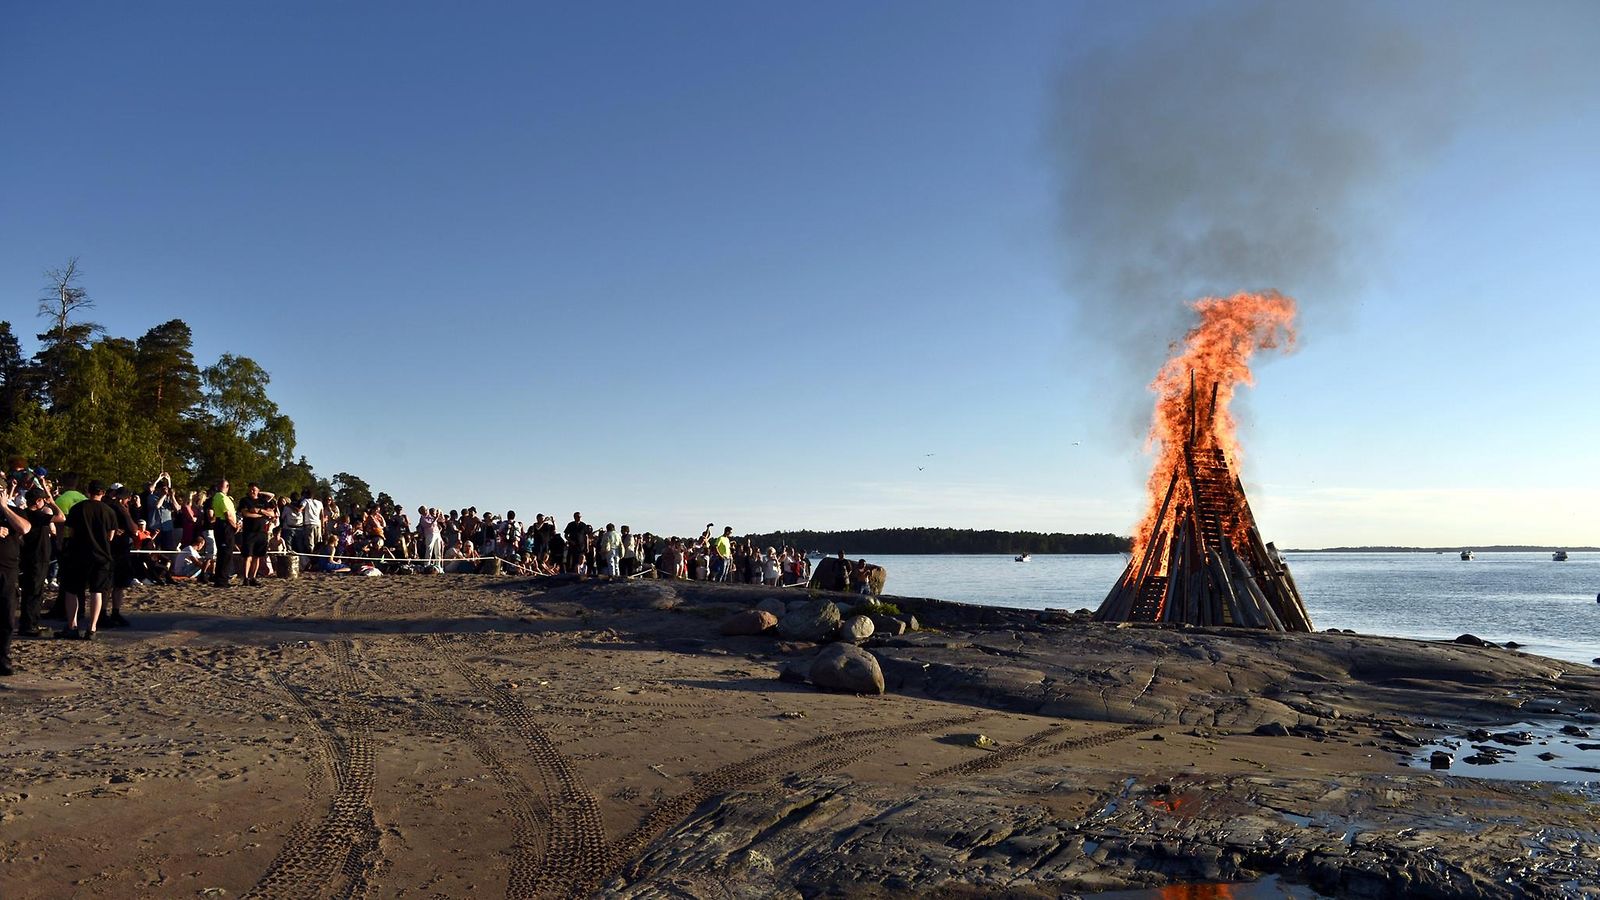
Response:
column 352, row 493
column 93, row 426
column 240, row 434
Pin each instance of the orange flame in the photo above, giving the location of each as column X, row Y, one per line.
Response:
column 1215, row 356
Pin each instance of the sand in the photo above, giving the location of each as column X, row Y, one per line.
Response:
column 458, row 736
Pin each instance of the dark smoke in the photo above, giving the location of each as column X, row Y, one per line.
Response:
column 1251, row 146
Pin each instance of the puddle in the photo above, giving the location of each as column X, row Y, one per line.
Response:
column 1518, row 762
column 1269, row 888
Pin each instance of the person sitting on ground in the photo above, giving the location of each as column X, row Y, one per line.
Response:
column 189, row 563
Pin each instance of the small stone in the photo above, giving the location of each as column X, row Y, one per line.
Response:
column 1479, row 759
column 1547, row 756
column 1513, row 738
column 981, row 741
column 1272, row 729
column 1155, row 737
column 1587, row 746
column 1439, row 759
column 1574, row 731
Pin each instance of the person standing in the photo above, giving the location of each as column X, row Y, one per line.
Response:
column 224, row 525
column 610, row 551
column 122, row 562
column 256, row 512
column 577, row 533
column 311, row 520
column 13, row 528
column 42, row 515
column 87, row 564
column 291, row 521
column 722, row 556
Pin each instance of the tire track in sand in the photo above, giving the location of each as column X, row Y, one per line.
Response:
column 574, row 857
column 336, row 856
column 1034, row 745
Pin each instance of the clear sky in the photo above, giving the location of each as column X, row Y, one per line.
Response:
column 805, row 266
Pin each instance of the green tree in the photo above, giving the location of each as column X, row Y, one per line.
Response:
column 100, row 435
column 352, row 493
column 240, row 434
column 14, row 388
column 168, row 385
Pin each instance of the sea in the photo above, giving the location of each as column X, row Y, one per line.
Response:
column 1548, row 607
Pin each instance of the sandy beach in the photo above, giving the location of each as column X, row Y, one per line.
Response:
column 461, row 736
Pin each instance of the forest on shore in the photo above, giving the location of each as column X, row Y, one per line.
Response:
column 945, row 540
column 127, row 408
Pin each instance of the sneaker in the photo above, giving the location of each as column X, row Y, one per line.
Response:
column 87, row 636
column 115, row 620
column 69, row 634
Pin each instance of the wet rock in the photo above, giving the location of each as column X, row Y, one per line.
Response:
column 846, row 667
column 1272, row 729
column 1547, row 756
column 1587, row 746
column 1394, row 734
column 1513, row 738
column 773, row 605
column 1512, row 645
column 856, row 629
column 1439, row 759
column 1477, row 735
column 1472, row 640
column 1480, row 759
column 748, row 622
column 1574, row 731
column 812, row 620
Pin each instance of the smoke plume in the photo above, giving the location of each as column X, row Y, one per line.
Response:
column 1240, row 147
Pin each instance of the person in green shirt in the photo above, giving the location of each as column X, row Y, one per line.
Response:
column 225, row 524
column 722, row 556
column 70, row 496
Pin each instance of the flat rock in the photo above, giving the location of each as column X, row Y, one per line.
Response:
column 846, row 667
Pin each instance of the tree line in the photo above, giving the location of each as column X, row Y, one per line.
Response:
column 945, row 540
column 125, row 409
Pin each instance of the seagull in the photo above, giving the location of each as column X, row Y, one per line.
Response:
column 919, row 468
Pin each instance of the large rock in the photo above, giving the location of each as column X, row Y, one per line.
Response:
column 748, row 621
column 814, row 620
column 846, row 667
column 774, row 605
column 856, row 629
column 886, row 624
column 832, row 575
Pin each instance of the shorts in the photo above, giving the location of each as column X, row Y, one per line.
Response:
column 80, row 578
column 253, row 544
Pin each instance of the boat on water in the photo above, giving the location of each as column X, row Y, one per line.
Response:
column 1023, row 557
column 1466, row 554
column 1559, row 556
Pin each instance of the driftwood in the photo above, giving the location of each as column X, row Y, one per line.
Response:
column 1205, row 563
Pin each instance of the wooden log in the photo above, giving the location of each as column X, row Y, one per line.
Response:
column 1229, row 603
column 1108, row 605
column 1174, row 593
column 1269, row 616
column 1245, row 600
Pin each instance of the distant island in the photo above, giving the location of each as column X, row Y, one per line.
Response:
column 944, row 540
column 1454, row 548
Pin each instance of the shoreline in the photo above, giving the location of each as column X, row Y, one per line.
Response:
column 479, row 736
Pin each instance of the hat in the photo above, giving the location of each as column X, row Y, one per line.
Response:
column 115, row 486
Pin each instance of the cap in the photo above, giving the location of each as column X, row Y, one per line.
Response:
column 115, row 486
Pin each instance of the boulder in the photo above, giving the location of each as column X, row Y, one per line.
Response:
column 846, row 667
column 814, row 620
column 831, row 575
column 856, row 629
column 773, row 605
column 1440, row 760
column 1472, row 640
column 884, row 624
column 1272, row 729
column 794, row 671
column 748, row 622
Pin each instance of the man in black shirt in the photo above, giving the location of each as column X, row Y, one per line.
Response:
column 256, row 511
column 87, row 561
column 12, row 529
column 577, row 532
column 41, row 514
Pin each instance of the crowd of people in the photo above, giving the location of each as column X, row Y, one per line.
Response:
column 73, row 550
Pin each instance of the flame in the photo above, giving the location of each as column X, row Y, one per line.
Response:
column 1215, row 355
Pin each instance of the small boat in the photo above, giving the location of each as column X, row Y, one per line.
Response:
column 1022, row 557
column 1559, row 556
column 1466, row 554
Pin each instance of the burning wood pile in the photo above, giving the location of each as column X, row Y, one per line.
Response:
column 1198, row 557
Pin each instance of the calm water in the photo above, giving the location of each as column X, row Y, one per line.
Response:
column 1525, row 597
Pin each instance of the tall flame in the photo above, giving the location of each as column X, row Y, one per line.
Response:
column 1215, row 356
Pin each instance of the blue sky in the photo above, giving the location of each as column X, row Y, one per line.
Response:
column 751, row 263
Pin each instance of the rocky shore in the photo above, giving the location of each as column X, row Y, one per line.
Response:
column 461, row 736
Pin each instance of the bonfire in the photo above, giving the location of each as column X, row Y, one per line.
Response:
column 1197, row 555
